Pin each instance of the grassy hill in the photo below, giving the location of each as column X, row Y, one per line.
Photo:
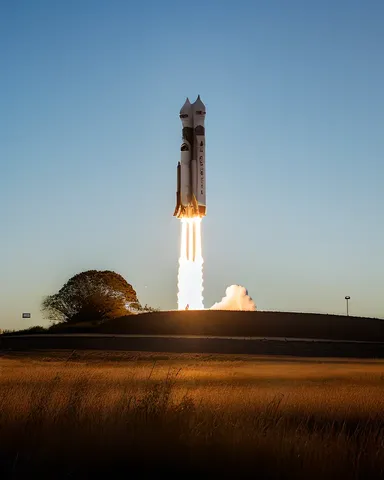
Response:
column 230, row 323
column 226, row 323
column 265, row 324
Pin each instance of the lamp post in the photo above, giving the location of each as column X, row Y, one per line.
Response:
column 347, row 298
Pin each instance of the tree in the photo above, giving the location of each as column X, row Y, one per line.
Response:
column 91, row 296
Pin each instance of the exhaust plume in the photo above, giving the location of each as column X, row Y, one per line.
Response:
column 236, row 298
column 190, row 278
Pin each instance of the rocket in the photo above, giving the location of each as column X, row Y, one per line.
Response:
column 190, row 194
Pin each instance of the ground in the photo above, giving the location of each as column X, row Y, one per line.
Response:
column 73, row 414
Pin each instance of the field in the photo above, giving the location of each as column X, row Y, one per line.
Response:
column 89, row 414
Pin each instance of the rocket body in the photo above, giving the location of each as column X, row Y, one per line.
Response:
column 191, row 193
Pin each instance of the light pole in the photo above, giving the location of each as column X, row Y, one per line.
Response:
column 347, row 298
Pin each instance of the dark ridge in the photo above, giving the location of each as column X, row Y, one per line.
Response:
column 248, row 324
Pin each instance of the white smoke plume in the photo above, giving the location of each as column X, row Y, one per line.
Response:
column 236, row 298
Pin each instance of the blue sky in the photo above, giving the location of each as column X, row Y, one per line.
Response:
column 89, row 141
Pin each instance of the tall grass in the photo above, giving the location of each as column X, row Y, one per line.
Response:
column 274, row 420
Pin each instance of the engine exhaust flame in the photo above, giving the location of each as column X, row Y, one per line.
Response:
column 190, row 278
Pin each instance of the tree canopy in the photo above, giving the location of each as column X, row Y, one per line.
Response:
column 91, row 296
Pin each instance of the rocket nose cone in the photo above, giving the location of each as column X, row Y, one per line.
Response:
column 186, row 107
column 199, row 105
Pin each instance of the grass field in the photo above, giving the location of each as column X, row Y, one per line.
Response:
column 93, row 414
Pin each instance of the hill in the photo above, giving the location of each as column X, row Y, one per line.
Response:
column 242, row 324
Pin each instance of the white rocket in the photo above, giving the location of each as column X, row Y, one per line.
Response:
column 190, row 195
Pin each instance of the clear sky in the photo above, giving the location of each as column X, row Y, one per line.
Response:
column 90, row 93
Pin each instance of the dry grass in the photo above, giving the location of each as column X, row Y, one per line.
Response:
column 98, row 414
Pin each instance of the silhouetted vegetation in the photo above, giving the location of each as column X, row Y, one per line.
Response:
column 148, row 309
column 92, row 296
column 37, row 329
column 85, row 416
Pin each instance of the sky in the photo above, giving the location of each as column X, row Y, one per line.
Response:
column 90, row 93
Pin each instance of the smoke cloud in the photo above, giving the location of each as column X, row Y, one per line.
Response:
column 236, row 298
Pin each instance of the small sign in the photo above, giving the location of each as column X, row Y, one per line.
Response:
column 26, row 315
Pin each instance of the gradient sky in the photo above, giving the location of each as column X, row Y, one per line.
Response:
column 90, row 93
